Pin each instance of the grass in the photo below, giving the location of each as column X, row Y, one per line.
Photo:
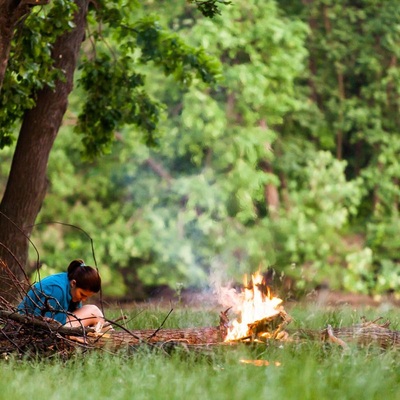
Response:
column 296, row 371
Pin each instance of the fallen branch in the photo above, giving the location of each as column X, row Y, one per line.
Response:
column 335, row 339
column 365, row 334
column 44, row 324
column 188, row 336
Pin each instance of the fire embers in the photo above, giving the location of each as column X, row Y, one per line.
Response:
column 261, row 315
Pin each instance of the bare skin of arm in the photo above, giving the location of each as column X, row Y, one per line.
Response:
column 88, row 315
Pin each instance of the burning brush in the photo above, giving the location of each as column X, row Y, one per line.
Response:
column 261, row 315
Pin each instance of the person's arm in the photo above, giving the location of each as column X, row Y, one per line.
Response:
column 54, row 306
column 46, row 302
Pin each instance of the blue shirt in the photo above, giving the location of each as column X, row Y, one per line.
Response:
column 50, row 297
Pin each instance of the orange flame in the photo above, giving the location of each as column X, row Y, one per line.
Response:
column 256, row 305
column 260, row 363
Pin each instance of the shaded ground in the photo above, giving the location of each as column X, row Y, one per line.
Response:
column 166, row 297
column 329, row 298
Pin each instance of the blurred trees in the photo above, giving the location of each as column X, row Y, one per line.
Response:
column 196, row 201
column 353, row 91
column 39, row 55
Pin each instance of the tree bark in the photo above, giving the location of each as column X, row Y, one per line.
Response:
column 27, row 183
column 312, row 64
column 190, row 336
column 271, row 194
column 270, row 190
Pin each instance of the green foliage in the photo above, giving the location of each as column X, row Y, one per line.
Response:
column 303, row 100
column 115, row 93
column 359, row 276
column 352, row 82
column 203, row 205
column 30, row 67
column 171, row 214
column 210, row 8
column 114, row 97
column 205, row 215
column 383, row 238
column 169, row 51
column 309, row 232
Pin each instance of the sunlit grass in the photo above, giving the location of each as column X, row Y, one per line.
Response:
column 309, row 370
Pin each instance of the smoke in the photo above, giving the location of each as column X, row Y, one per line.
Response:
column 222, row 287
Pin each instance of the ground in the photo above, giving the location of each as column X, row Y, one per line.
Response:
column 167, row 297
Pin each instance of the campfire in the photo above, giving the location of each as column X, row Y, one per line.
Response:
column 261, row 315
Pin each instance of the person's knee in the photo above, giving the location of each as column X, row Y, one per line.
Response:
column 87, row 315
column 92, row 310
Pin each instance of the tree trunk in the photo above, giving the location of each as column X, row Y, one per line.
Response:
column 270, row 190
column 376, row 200
column 271, row 194
column 27, row 183
column 312, row 64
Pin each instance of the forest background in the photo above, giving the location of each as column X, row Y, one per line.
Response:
column 289, row 162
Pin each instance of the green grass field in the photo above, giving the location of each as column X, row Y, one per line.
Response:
column 309, row 370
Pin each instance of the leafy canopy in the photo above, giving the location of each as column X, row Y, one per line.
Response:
column 114, row 92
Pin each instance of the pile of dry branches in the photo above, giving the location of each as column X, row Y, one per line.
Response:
column 32, row 336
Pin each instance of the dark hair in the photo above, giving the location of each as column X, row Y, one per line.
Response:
column 86, row 277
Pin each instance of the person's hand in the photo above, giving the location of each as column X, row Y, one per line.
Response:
column 51, row 321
